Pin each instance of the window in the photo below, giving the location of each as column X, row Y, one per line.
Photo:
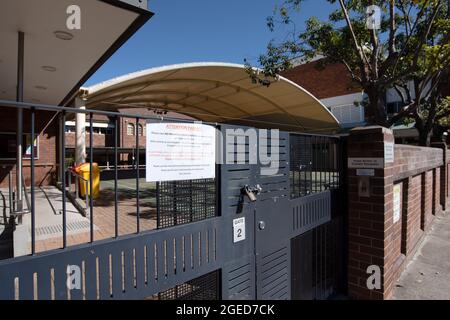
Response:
column 130, row 129
column 140, row 130
column 8, row 146
column 394, row 107
column 70, row 129
column 348, row 113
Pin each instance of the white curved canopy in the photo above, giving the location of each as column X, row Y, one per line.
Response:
column 216, row 92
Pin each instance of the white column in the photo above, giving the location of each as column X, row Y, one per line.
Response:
column 80, row 132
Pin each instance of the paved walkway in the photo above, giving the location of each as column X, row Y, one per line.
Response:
column 49, row 219
column 104, row 219
column 427, row 276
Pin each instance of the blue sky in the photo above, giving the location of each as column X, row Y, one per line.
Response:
column 201, row 30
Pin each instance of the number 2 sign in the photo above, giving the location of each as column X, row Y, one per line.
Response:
column 238, row 229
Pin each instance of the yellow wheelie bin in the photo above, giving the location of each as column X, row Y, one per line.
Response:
column 84, row 171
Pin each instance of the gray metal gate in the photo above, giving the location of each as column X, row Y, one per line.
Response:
column 193, row 257
column 262, row 266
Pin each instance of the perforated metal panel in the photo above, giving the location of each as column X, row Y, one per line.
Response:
column 185, row 201
column 205, row 287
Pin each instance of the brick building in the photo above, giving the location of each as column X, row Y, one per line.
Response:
column 103, row 136
column 333, row 85
column 46, row 152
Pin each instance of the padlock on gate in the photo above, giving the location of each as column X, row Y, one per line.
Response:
column 251, row 192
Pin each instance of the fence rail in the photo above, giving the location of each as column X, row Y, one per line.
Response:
column 192, row 252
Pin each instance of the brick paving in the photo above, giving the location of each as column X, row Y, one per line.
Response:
column 104, row 219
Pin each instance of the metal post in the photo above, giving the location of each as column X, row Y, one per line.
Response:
column 116, row 209
column 137, row 176
column 11, row 202
column 69, row 176
column 91, row 157
column 63, row 178
column 33, row 213
column 19, row 136
column 158, row 211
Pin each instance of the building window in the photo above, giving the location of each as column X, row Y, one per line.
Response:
column 140, row 130
column 130, row 129
column 70, row 129
column 348, row 113
column 394, row 107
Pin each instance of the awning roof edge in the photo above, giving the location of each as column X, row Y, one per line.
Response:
column 215, row 92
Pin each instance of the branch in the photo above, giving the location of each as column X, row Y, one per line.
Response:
column 400, row 93
column 392, row 28
column 425, row 36
column 406, row 20
column 409, row 110
column 353, row 75
column 418, row 17
column 362, row 56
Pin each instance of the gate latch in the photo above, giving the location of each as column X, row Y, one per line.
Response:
column 251, row 192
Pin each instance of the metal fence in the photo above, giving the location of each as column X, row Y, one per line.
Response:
column 316, row 164
column 193, row 252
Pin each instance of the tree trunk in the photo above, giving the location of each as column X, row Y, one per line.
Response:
column 376, row 112
column 424, row 138
column 425, row 132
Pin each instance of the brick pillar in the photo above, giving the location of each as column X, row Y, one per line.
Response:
column 443, row 176
column 373, row 237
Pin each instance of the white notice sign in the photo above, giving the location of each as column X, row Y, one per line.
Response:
column 180, row 151
column 238, row 229
column 374, row 163
column 397, row 201
column 389, row 152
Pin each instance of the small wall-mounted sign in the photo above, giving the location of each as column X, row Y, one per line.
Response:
column 238, row 229
column 365, row 172
column 364, row 187
column 397, row 203
column 389, row 152
column 376, row 163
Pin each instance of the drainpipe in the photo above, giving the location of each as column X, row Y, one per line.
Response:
column 19, row 136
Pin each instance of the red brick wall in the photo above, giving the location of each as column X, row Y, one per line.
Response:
column 428, row 201
column 412, row 213
column 331, row 81
column 129, row 141
column 47, row 128
column 374, row 237
column 370, row 216
column 409, row 158
column 437, row 208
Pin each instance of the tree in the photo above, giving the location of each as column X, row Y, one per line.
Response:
column 410, row 44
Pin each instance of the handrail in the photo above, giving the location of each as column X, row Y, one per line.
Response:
column 27, row 200
column 76, row 174
column 86, row 182
column 12, row 198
